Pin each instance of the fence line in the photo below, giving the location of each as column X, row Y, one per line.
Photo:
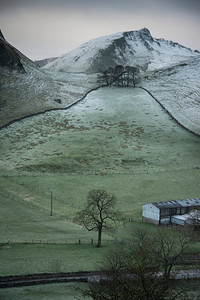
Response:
column 78, row 241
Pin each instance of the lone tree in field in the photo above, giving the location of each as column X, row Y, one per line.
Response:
column 99, row 212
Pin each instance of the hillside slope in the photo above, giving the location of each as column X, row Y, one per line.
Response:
column 178, row 90
column 120, row 141
column 43, row 62
column 106, row 133
column 26, row 89
column 134, row 48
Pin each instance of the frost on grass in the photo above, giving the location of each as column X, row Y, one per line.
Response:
column 39, row 90
column 178, row 89
column 112, row 131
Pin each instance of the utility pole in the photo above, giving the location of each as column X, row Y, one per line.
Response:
column 51, row 214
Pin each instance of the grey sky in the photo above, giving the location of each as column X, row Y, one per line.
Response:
column 45, row 28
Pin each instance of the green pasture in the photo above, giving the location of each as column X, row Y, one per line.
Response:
column 57, row 291
column 119, row 140
column 25, row 219
column 49, row 258
column 28, row 258
column 131, row 190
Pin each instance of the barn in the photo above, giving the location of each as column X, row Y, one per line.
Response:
column 169, row 212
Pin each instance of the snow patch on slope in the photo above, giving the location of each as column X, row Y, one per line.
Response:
column 178, row 89
column 78, row 59
column 35, row 90
column 134, row 48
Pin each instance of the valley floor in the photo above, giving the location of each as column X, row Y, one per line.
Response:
column 120, row 140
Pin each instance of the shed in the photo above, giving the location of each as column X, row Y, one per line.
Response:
column 180, row 219
column 192, row 218
column 161, row 212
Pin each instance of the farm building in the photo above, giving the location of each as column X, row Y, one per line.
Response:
column 170, row 212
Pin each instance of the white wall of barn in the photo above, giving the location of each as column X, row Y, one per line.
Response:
column 150, row 211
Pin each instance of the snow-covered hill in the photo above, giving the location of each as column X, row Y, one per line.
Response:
column 43, row 62
column 26, row 89
column 23, row 85
column 178, row 90
column 170, row 73
column 12, row 59
column 134, row 48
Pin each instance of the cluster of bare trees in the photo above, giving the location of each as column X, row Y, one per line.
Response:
column 119, row 76
column 141, row 269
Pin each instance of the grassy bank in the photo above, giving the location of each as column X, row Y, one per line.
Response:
column 41, row 258
column 53, row 291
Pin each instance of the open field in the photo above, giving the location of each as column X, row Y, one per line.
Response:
column 110, row 132
column 28, row 258
column 66, row 291
column 132, row 190
column 116, row 139
column 53, row 291
column 47, row 258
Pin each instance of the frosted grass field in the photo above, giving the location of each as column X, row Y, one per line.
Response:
column 37, row 91
column 178, row 89
column 110, row 132
column 117, row 139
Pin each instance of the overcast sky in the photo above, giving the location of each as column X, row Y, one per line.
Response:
column 46, row 28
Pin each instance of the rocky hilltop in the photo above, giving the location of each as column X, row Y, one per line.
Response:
column 134, row 48
column 9, row 57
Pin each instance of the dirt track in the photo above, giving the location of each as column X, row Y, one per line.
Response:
column 47, row 278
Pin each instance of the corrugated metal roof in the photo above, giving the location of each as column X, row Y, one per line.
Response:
column 178, row 203
column 189, row 202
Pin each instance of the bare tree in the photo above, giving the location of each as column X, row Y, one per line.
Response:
column 170, row 249
column 132, row 72
column 106, row 76
column 140, row 269
column 99, row 212
column 118, row 74
column 110, row 75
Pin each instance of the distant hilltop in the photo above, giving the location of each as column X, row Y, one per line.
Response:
column 133, row 48
column 9, row 57
column 43, row 62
